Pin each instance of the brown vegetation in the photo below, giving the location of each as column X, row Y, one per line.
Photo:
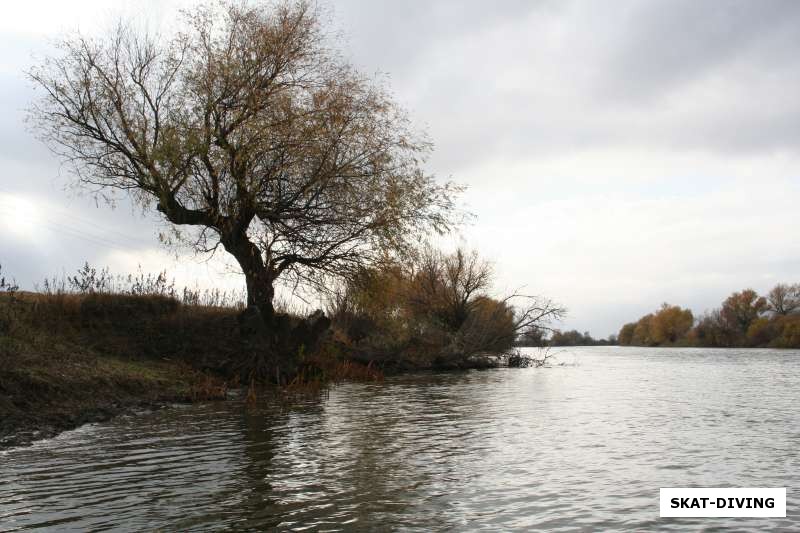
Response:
column 76, row 352
column 433, row 312
column 745, row 319
column 93, row 343
column 68, row 359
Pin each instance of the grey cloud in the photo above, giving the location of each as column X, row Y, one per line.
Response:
column 392, row 36
column 16, row 141
column 698, row 76
column 663, row 44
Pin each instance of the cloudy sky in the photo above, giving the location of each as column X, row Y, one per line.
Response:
column 618, row 154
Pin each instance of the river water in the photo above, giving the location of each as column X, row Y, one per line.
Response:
column 581, row 446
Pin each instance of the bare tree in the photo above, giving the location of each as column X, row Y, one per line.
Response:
column 537, row 312
column 247, row 127
column 449, row 283
column 453, row 289
column 784, row 299
column 495, row 326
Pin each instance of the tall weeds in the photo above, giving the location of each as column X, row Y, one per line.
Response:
column 91, row 280
column 8, row 291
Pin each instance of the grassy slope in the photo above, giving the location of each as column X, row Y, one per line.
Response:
column 64, row 363
column 68, row 359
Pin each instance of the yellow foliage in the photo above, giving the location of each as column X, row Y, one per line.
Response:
column 670, row 324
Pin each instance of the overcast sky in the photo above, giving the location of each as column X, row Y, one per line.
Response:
column 618, row 154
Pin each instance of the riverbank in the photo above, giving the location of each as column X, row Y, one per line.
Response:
column 66, row 360
column 46, row 391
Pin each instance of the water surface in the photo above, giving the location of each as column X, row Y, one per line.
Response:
column 584, row 446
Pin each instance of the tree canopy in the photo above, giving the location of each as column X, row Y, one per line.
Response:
column 437, row 306
column 249, row 127
column 743, row 319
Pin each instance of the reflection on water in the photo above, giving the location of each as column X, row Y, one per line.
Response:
column 583, row 446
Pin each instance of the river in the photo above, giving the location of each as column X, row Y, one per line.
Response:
column 582, row 445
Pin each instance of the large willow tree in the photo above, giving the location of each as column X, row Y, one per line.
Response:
column 248, row 127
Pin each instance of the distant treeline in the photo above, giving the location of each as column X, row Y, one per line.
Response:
column 537, row 337
column 745, row 319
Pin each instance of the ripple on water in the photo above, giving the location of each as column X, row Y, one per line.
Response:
column 580, row 447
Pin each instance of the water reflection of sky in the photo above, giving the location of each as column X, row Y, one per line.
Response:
column 586, row 445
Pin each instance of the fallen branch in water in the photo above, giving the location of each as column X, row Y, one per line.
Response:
column 517, row 360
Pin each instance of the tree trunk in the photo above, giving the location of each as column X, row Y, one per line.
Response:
column 260, row 292
column 258, row 276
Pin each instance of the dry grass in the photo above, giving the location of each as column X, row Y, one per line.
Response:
column 66, row 359
column 78, row 352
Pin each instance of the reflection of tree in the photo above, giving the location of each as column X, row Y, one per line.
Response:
column 281, row 475
column 388, row 454
column 370, row 454
column 392, row 446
